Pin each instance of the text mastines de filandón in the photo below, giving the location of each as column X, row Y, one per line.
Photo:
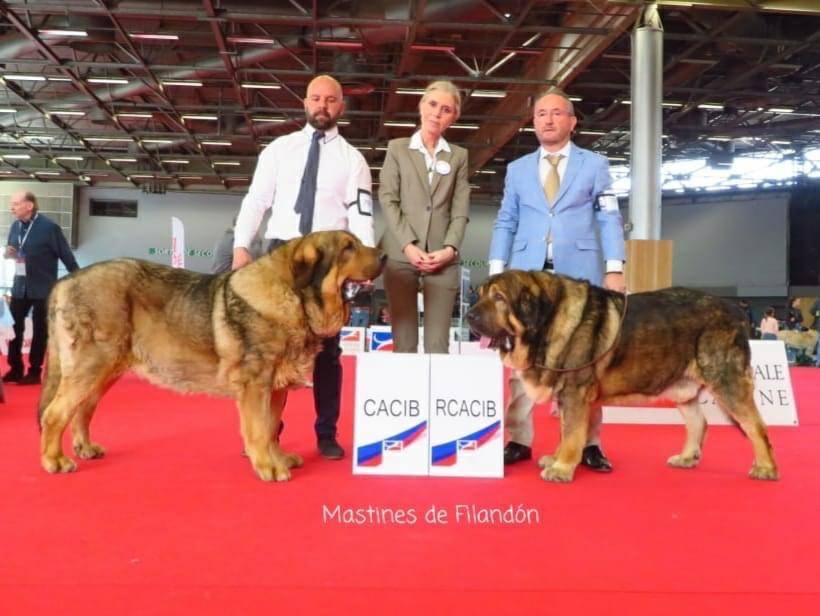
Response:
column 463, row 515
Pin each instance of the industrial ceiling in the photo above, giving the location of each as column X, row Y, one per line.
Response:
column 183, row 94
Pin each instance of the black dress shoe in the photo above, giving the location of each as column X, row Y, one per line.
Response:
column 12, row 376
column 329, row 448
column 595, row 459
column 32, row 378
column 516, row 452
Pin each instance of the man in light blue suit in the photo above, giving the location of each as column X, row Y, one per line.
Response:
column 558, row 214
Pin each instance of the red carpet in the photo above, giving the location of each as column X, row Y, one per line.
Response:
column 174, row 521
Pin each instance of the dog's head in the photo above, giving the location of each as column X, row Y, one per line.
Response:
column 325, row 265
column 514, row 311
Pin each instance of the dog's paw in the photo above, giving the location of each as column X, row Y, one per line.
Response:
column 89, row 451
column 558, row 473
column 546, row 461
column 681, row 461
column 293, row 460
column 764, row 472
column 283, row 474
column 61, row 464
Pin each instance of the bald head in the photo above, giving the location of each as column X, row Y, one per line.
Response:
column 324, row 103
column 23, row 205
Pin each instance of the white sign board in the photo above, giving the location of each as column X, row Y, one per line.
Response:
column 466, row 416
column 391, row 414
column 351, row 340
column 773, row 394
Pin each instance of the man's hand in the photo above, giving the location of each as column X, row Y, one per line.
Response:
column 241, row 257
column 11, row 252
column 615, row 281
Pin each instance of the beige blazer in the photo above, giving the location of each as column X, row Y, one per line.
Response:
column 431, row 216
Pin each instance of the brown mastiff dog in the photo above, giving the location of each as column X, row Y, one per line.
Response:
column 250, row 334
column 572, row 341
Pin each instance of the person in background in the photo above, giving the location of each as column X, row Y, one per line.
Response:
column 223, row 250
column 35, row 242
column 425, row 195
column 769, row 325
column 311, row 180
column 558, row 214
column 794, row 316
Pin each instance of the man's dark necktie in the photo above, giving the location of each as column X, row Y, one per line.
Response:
column 307, row 191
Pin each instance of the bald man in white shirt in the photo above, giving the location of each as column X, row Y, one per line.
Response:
column 343, row 200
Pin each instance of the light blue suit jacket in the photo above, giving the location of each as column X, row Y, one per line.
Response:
column 583, row 237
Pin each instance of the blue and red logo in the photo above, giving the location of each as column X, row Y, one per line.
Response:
column 446, row 454
column 381, row 341
column 371, row 454
column 350, row 334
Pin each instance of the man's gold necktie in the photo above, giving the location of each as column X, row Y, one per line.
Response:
column 553, row 180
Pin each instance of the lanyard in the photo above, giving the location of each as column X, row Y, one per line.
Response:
column 20, row 235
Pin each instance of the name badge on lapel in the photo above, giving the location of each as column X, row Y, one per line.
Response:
column 442, row 167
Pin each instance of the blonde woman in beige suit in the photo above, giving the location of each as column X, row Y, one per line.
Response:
column 425, row 197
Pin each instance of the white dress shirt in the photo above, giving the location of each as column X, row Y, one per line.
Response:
column 430, row 161
column 496, row 265
column 343, row 189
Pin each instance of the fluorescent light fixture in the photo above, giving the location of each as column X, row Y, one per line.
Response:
column 273, row 120
column 227, row 163
column 343, row 122
column 16, row 156
column 251, row 40
column 671, row 105
column 381, row 148
column 527, row 129
column 475, row 186
column 52, row 32
column 66, row 112
column 199, row 117
column 36, row 138
column 487, row 171
column 718, row 138
column 191, row 84
column 400, row 124
column 159, row 141
column 8, row 110
column 626, row 102
column 617, row 158
column 591, row 132
column 711, row 106
column 115, row 139
column 154, row 37
column 176, row 161
column 338, row 44
column 122, row 160
column 374, row 168
column 129, row 114
column 217, row 143
column 47, row 173
column 489, row 93
column 59, row 79
column 25, row 77
column 262, row 86
column 190, row 177
column 142, row 176
column 576, row 99
column 781, row 109
column 780, row 142
column 443, row 48
column 111, row 80
column 69, row 158
column 466, row 126
column 413, row 91
column 237, row 178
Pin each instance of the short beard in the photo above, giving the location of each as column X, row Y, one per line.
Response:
column 320, row 124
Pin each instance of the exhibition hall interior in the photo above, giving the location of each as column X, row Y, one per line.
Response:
column 121, row 116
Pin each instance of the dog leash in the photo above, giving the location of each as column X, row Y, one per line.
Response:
column 601, row 356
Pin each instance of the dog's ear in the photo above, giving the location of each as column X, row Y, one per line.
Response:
column 308, row 259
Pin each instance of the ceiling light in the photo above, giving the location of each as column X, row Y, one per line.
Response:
column 223, row 143
column 416, row 91
column 115, row 139
column 176, row 161
column 262, row 86
column 487, row 171
column 444, row 48
column 47, row 173
column 343, row 122
column 338, row 44
column 780, row 142
column 112, row 80
column 591, row 132
column 155, row 37
column 190, row 177
column 400, row 124
column 251, row 40
column 274, row 120
column 617, row 158
column 626, row 102
column 199, row 117
column 671, row 105
column 160, row 141
column 717, row 106
column 122, row 160
column 191, row 84
column 227, row 163
column 465, row 126
column 59, row 79
column 527, row 129
column 135, row 115
column 25, row 77
column 16, row 156
column 69, row 158
column 141, row 176
column 718, row 138
column 50, row 32
column 488, row 93
column 67, row 112
column 9, row 110
column 781, row 109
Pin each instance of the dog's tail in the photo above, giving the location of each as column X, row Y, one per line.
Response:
column 53, row 373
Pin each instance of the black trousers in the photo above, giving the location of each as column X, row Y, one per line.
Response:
column 20, row 307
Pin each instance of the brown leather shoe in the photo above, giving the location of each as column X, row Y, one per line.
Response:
column 516, row 452
column 595, row 459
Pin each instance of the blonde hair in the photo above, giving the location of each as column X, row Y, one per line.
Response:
column 447, row 87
